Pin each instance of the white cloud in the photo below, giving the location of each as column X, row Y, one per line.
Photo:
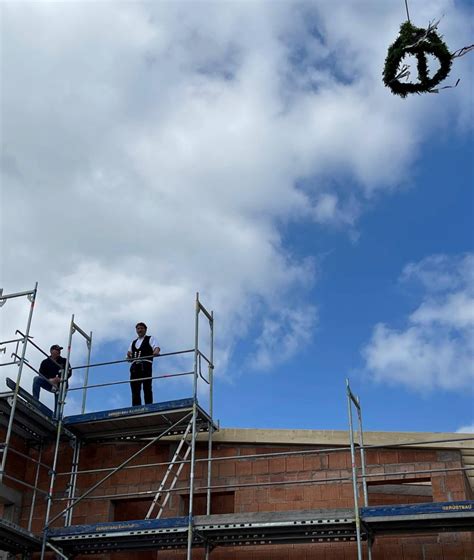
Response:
column 282, row 336
column 436, row 349
column 150, row 150
column 466, row 429
column 441, row 273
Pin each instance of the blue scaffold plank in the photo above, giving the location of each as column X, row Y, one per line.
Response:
column 417, row 509
column 120, row 527
column 129, row 411
column 29, row 398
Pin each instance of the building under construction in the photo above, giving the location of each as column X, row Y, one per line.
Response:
column 165, row 481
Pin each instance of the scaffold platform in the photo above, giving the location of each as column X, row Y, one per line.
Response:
column 146, row 420
column 434, row 517
column 16, row 540
column 282, row 527
column 33, row 420
column 250, row 529
column 216, row 530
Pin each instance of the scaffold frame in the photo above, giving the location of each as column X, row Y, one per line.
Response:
column 185, row 420
column 190, row 432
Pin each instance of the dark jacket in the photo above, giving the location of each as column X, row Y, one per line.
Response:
column 50, row 369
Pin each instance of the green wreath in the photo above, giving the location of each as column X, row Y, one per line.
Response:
column 418, row 42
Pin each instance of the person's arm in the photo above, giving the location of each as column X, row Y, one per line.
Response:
column 129, row 352
column 154, row 345
column 62, row 365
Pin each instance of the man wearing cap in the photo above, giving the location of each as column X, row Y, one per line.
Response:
column 141, row 351
column 50, row 373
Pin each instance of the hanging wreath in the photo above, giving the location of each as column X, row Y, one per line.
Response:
column 417, row 42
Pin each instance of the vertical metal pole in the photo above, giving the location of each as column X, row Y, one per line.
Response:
column 362, row 455
column 73, row 482
column 364, row 477
column 64, row 377
column 86, row 377
column 354, row 473
column 211, row 427
column 33, row 499
column 58, row 439
column 32, row 298
column 193, row 431
column 211, row 406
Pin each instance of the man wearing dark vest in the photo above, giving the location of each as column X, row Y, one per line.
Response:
column 141, row 352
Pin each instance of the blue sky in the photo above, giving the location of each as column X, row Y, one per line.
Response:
column 248, row 151
column 359, row 287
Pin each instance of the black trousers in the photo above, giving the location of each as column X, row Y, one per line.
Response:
column 137, row 371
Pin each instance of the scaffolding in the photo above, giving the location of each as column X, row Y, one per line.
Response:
column 183, row 420
column 185, row 417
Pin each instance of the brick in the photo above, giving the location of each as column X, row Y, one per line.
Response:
column 261, row 496
column 346, row 491
column 372, row 457
column 277, row 465
column 245, row 496
column 312, row 493
column 330, row 492
column 283, row 506
column 294, row 464
column 454, row 483
column 276, row 494
column 426, row 456
column 319, row 476
column 339, row 460
column 455, row 551
column 412, row 552
column 432, row 552
column 311, row 462
column 388, row 456
column 243, row 468
column 294, row 494
column 260, row 466
column 324, row 461
column 406, row 456
column 227, row 468
column 131, row 476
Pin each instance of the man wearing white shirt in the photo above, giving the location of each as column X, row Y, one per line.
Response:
column 141, row 351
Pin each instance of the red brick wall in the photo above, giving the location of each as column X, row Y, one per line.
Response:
column 394, row 465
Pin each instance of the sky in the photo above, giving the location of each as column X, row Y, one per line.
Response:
column 250, row 152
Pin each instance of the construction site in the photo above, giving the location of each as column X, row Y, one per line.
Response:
column 165, row 480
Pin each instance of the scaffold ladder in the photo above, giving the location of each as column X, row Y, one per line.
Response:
column 177, row 461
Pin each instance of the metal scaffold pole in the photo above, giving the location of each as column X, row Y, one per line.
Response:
column 210, row 433
column 364, row 474
column 86, row 375
column 71, row 491
column 73, row 328
column 193, row 431
column 59, row 417
column 33, row 498
column 350, row 400
column 31, row 295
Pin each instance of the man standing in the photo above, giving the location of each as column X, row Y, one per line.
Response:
column 50, row 374
column 141, row 351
